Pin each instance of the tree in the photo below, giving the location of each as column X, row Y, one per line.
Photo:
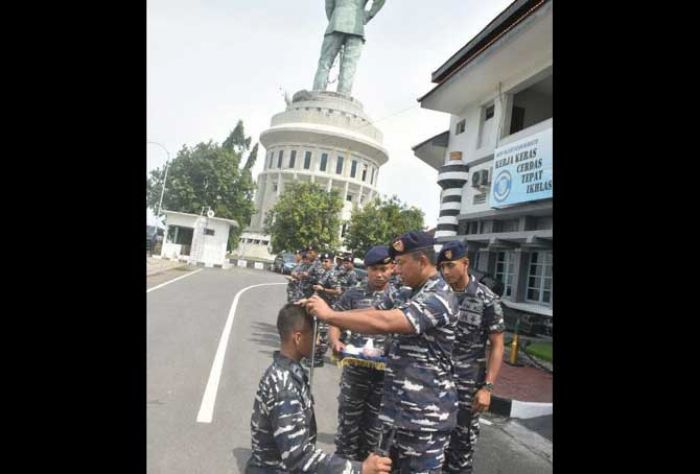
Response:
column 305, row 214
column 378, row 222
column 209, row 175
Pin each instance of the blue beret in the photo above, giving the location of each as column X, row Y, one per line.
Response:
column 452, row 250
column 410, row 242
column 378, row 255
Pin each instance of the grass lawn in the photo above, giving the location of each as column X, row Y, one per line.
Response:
column 542, row 350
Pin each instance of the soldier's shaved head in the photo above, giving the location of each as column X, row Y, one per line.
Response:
column 293, row 318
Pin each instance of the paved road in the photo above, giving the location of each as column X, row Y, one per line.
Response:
column 185, row 322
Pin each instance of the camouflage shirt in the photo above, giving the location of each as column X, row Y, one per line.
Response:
column 480, row 314
column 347, row 278
column 315, row 271
column 419, row 391
column 360, row 297
column 329, row 279
column 283, row 425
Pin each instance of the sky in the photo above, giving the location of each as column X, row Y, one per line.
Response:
column 213, row 62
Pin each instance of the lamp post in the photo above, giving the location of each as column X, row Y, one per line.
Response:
column 165, row 176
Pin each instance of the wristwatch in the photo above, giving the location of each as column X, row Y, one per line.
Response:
column 488, row 386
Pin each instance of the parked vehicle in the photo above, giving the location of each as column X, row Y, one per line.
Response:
column 284, row 263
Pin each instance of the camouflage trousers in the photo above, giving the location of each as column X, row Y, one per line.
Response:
column 416, row 452
column 358, row 408
column 293, row 292
column 322, row 343
column 460, row 452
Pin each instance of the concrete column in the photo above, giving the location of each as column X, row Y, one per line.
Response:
column 502, row 111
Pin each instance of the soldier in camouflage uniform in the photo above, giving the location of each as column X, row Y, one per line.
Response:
column 480, row 319
column 294, row 285
column 361, row 387
column 329, row 289
column 283, row 424
column 312, row 274
column 347, row 276
column 419, row 400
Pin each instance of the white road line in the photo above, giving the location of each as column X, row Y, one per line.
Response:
column 174, row 279
column 206, row 409
column 485, row 421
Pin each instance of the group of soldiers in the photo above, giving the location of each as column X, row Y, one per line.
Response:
column 325, row 275
column 419, row 411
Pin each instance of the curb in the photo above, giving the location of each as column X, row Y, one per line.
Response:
column 519, row 409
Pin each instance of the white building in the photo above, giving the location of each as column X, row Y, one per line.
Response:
column 196, row 239
column 498, row 91
column 324, row 138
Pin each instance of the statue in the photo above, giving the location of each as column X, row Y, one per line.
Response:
column 346, row 32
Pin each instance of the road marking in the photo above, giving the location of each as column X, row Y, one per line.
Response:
column 485, row 421
column 206, row 409
column 173, row 280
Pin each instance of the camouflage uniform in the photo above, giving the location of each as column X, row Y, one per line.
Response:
column 360, row 387
column 283, row 426
column 480, row 314
column 316, row 271
column 327, row 280
column 419, row 400
column 294, row 286
column 347, row 278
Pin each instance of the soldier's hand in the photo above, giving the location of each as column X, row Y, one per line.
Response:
column 317, row 307
column 482, row 400
column 337, row 347
column 375, row 464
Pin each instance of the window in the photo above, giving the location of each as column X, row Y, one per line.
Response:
column 539, row 279
column 339, row 165
column 274, row 187
column 505, row 265
column 353, row 168
column 292, row 158
column 324, row 161
column 272, row 157
column 279, row 159
column 265, row 242
column 461, row 126
column 349, row 198
column 256, row 241
column 372, row 179
column 489, row 112
column 517, row 119
column 208, row 231
column 307, row 160
column 364, row 173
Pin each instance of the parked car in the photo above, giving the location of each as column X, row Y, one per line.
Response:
column 284, row 263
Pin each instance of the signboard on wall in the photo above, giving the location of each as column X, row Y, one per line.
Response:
column 522, row 171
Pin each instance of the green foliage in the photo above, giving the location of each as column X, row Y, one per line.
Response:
column 378, row 222
column 305, row 214
column 209, row 175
